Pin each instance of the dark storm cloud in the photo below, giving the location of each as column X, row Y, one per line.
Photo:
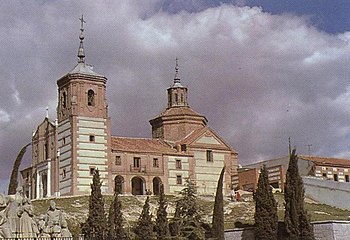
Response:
column 258, row 78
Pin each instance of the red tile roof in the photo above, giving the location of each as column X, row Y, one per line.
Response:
column 327, row 160
column 193, row 135
column 144, row 145
column 180, row 111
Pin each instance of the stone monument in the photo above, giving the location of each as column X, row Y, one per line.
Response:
column 17, row 219
column 55, row 224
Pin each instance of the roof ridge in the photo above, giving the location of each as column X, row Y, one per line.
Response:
column 313, row 156
column 141, row 138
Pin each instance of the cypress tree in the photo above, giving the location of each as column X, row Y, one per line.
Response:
column 297, row 223
column 188, row 215
column 266, row 219
column 144, row 226
column 14, row 174
column 95, row 226
column 115, row 221
column 218, row 228
column 161, row 220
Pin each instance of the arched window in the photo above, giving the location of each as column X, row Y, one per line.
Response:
column 64, row 100
column 91, row 98
column 169, row 98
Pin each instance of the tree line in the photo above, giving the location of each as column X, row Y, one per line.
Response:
column 187, row 222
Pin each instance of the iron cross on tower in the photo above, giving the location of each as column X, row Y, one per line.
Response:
column 81, row 53
column 82, row 22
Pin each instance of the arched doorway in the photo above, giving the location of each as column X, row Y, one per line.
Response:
column 119, row 184
column 137, row 186
column 156, row 185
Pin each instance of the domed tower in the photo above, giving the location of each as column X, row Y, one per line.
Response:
column 83, row 127
column 178, row 120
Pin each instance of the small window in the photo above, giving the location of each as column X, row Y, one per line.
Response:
column 346, row 178
column 64, row 100
column 91, row 98
column 137, row 162
column 176, row 98
column 118, row 160
column 46, row 150
column 183, row 148
column 64, row 174
column 63, row 140
column 92, row 170
column 92, row 138
column 210, row 156
column 179, row 179
column 155, row 162
column 169, row 98
column 335, row 177
column 178, row 164
column 324, row 175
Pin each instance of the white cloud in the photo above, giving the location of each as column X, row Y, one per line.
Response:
column 15, row 96
column 4, row 116
column 243, row 66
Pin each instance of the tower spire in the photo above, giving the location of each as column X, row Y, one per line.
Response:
column 81, row 53
column 177, row 77
column 47, row 112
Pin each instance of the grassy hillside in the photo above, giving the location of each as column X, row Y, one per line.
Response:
column 236, row 213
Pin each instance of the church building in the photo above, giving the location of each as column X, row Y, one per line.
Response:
column 66, row 151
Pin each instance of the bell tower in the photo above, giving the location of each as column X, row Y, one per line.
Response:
column 177, row 94
column 83, row 126
column 178, row 120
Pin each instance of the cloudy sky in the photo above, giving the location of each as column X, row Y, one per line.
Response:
column 260, row 71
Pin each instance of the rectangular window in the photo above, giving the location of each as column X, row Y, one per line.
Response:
column 183, row 147
column 92, row 138
column 137, row 162
column 118, row 160
column 64, row 174
column 210, row 156
column 324, row 175
column 335, row 177
column 92, row 170
column 179, row 179
column 155, row 162
column 178, row 164
column 346, row 178
column 46, row 150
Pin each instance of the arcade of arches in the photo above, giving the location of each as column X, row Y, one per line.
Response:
column 138, row 185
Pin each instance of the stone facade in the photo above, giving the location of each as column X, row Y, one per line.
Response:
column 66, row 152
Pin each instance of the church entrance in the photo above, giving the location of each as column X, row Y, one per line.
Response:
column 137, row 186
column 156, row 185
column 119, row 184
